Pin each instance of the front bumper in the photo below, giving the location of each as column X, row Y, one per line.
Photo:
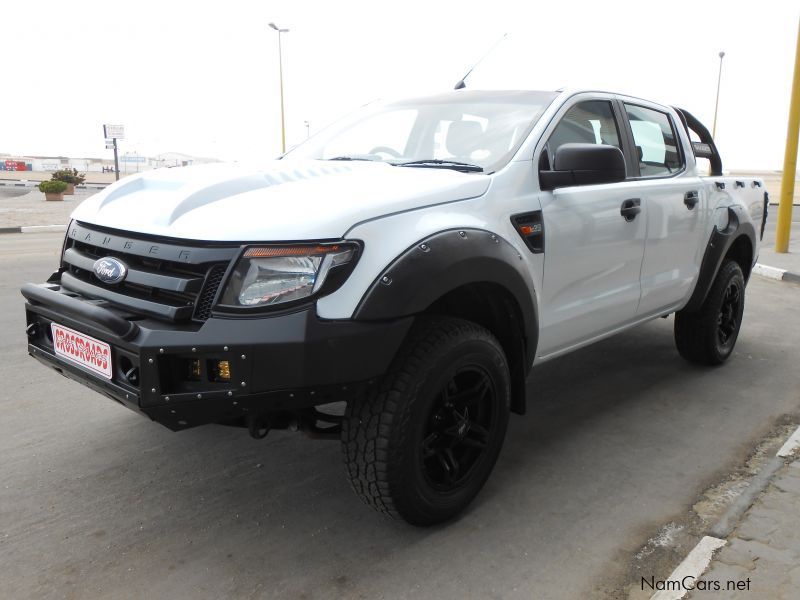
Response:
column 280, row 362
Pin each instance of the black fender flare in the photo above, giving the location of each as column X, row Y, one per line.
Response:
column 718, row 245
column 443, row 262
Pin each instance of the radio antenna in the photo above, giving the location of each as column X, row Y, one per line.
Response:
column 461, row 82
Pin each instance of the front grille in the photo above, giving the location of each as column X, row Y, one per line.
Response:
column 168, row 279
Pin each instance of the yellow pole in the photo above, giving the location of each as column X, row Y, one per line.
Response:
column 784, row 227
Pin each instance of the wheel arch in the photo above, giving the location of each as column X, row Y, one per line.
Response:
column 468, row 273
column 737, row 241
column 741, row 251
column 493, row 307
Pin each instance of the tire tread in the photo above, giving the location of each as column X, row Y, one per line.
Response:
column 371, row 418
column 695, row 332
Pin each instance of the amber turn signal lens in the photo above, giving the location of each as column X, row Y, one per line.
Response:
column 223, row 370
column 275, row 251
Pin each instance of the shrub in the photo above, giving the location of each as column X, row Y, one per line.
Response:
column 69, row 176
column 52, row 187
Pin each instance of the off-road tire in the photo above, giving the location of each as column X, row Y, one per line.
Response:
column 698, row 334
column 385, row 432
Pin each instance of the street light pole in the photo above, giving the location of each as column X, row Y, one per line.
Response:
column 280, row 72
column 308, row 129
column 716, row 104
column 116, row 161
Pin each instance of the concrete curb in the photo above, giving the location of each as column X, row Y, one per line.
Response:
column 34, row 229
column 775, row 273
column 699, row 560
column 33, row 184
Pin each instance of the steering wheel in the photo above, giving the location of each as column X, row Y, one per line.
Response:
column 385, row 150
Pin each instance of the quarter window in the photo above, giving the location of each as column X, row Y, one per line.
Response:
column 655, row 140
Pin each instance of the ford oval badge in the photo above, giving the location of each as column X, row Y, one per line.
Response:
column 109, row 270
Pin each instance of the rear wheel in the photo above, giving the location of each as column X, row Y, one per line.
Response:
column 709, row 335
column 424, row 443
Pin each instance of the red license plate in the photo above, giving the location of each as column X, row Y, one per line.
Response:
column 83, row 350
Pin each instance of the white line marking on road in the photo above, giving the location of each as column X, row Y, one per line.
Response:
column 692, row 566
column 792, row 444
column 43, row 228
column 769, row 272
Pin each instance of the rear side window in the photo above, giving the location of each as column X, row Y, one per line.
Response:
column 655, row 140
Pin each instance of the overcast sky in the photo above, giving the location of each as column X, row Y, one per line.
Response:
column 202, row 77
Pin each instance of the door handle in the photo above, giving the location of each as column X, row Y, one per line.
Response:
column 690, row 199
column 630, row 208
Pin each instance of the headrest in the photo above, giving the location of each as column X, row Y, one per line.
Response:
column 462, row 137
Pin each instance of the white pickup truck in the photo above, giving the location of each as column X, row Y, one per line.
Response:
column 415, row 261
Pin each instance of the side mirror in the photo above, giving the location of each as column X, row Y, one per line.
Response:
column 584, row 164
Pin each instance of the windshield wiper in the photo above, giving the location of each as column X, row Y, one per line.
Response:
column 442, row 164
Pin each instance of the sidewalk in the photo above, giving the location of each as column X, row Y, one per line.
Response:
column 789, row 262
column 763, row 552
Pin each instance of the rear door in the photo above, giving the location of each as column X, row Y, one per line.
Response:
column 675, row 204
column 593, row 255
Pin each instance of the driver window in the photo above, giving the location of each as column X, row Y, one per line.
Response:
column 590, row 122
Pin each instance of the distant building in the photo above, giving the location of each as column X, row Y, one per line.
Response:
column 128, row 162
column 10, row 162
column 177, row 159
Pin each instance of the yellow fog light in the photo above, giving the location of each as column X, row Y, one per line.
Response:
column 223, row 371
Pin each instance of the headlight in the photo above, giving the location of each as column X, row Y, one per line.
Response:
column 270, row 275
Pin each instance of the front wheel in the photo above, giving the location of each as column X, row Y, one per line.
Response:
column 423, row 444
column 707, row 337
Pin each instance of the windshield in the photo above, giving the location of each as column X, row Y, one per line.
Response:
column 464, row 130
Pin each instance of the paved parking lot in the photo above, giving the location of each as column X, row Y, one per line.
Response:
column 621, row 438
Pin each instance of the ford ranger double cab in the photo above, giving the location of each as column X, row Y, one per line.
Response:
column 392, row 281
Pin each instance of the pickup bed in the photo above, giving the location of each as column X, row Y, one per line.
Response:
column 393, row 281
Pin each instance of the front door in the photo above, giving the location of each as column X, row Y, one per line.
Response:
column 593, row 254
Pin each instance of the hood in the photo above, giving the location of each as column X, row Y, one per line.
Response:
column 280, row 201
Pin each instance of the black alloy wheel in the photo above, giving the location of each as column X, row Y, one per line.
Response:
column 458, row 429
column 729, row 312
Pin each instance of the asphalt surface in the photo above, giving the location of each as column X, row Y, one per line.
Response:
column 621, row 437
column 13, row 192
